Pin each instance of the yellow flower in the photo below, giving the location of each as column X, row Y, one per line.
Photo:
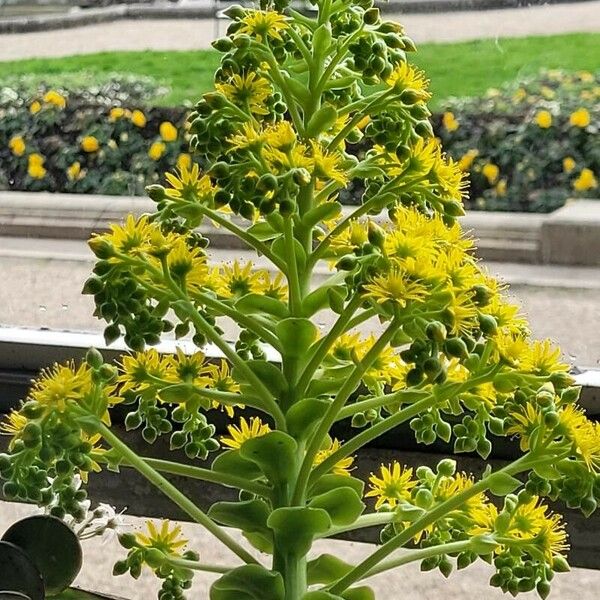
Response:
column 168, row 131
column 74, row 172
column 13, row 423
column 396, row 286
column 56, row 99
column 391, row 485
column 35, row 107
column 138, row 118
column 35, row 166
column 328, row 165
column 116, row 113
column 156, row 150
column 407, row 77
column 189, row 184
column 467, row 159
column 184, row 160
column 90, row 144
column 249, row 90
column 586, row 181
column 490, row 171
column 501, row 188
column 543, row 119
column 167, row 540
column 542, row 357
column 580, row 118
column 61, row 385
column 449, row 122
column 343, row 466
column 17, row 145
column 263, row 24
column 140, row 371
column 247, row 430
column 520, row 95
column 568, row 164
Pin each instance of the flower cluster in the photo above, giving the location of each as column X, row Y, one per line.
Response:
column 530, row 145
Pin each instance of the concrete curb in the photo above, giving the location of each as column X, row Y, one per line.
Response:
column 166, row 10
column 569, row 236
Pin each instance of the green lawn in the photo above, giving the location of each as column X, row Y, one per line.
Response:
column 461, row 69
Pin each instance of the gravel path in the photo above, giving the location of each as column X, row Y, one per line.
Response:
column 181, row 34
column 408, row 582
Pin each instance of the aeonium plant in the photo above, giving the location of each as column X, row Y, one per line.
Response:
column 452, row 356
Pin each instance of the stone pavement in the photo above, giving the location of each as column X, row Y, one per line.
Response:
column 183, row 34
column 405, row 583
column 42, row 280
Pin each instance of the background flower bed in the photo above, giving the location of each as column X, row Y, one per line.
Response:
column 527, row 146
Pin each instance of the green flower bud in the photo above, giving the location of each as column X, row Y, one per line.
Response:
column 128, row 540
column 456, row 347
column 446, row 467
column 543, row 588
column 560, row 564
column 120, row 568
column 223, row 44
column 436, row 331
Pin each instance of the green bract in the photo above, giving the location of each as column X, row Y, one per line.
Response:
column 451, row 357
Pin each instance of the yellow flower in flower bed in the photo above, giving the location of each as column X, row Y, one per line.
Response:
column 568, row 164
column 35, row 166
column 491, row 172
column 17, row 145
column 156, row 151
column 90, row 144
column 35, row 107
column 580, row 118
column 466, row 161
column 586, row 181
column 543, row 119
column 117, row 113
column 138, row 118
column 450, row 122
column 168, row 131
column 55, row 98
column 184, row 161
column 74, row 171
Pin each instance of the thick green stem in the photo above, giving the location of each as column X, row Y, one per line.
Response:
column 421, row 554
column 167, row 488
column 197, row 566
column 174, row 468
column 326, row 343
column 338, row 402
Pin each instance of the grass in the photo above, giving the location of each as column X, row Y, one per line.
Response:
column 458, row 69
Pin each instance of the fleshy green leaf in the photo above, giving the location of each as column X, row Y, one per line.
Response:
column 275, row 454
column 230, row 461
column 250, row 516
column 303, row 415
column 333, row 481
column 319, row 595
column 359, row 593
column 250, row 582
column 501, row 484
column 323, row 212
column 257, row 303
column 343, row 505
column 263, row 231
column 326, row 569
column 296, row 527
column 296, row 335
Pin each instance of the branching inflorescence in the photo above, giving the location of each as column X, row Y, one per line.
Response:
column 453, row 357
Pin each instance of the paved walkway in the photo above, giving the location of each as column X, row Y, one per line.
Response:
column 561, row 302
column 182, row 34
column 407, row 582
